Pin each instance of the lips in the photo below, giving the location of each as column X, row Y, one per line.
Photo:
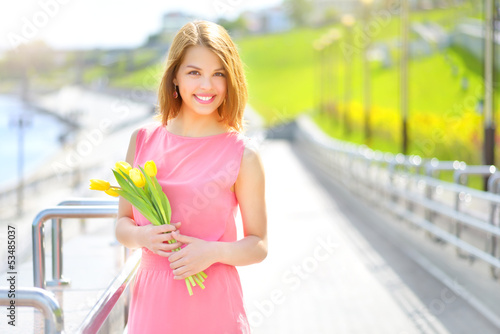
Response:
column 204, row 99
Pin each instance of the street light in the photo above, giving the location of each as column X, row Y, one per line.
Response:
column 21, row 120
column 366, row 73
column 324, row 46
column 489, row 79
column 405, row 32
column 319, row 46
column 348, row 21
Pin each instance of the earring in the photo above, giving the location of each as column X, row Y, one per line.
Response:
column 176, row 95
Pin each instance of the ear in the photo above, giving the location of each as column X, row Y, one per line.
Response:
column 175, row 82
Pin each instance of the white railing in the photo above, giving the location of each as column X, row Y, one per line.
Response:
column 450, row 212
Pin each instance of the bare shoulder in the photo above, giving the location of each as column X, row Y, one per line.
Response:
column 131, row 147
column 133, row 137
column 251, row 165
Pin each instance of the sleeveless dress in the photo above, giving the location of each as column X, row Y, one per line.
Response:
column 196, row 174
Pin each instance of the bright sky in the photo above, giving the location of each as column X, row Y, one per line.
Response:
column 103, row 23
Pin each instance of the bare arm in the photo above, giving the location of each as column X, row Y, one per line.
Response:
column 250, row 192
column 133, row 236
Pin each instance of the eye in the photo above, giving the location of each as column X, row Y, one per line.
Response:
column 194, row 72
column 219, row 74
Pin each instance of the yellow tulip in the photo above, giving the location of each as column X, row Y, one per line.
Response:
column 150, row 168
column 96, row 184
column 123, row 167
column 112, row 192
column 137, row 177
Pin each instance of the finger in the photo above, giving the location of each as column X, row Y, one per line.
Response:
column 166, row 228
column 176, row 255
column 176, row 264
column 177, row 225
column 170, row 247
column 181, row 272
column 163, row 253
column 163, row 238
column 182, row 238
column 166, row 237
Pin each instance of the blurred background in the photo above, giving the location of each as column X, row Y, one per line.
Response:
column 417, row 77
column 397, row 76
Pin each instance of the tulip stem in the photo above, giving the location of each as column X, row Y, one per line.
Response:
column 190, row 290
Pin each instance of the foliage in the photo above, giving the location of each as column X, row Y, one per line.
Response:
column 299, row 11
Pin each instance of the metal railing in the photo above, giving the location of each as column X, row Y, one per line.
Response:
column 40, row 299
column 57, row 235
column 451, row 212
column 78, row 208
column 101, row 310
column 60, row 212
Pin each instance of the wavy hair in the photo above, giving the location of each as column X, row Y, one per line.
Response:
column 215, row 38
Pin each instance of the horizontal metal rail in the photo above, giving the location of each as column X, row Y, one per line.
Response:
column 485, row 170
column 80, row 201
column 60, row 212
column 57, row 244
column 435, row 166
column 101, row 310
column 40, row 299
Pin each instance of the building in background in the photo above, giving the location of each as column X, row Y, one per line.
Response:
column 269, row 20
column 171, row 23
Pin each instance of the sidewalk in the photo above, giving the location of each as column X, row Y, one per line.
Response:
column 331, row 269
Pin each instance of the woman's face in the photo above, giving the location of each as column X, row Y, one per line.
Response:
column 202, row 81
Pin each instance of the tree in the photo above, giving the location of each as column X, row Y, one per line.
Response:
column 299, row 11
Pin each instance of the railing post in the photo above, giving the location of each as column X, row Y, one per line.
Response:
column 458, row 175
column 57, row 259
column 59, row 212
column 492, row 186
column 57, row 238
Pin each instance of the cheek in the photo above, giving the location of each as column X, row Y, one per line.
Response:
column 222, row 87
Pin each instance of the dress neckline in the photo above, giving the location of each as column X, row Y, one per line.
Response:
column 203, row 137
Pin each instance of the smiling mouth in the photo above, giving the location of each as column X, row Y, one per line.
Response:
column 204, row 99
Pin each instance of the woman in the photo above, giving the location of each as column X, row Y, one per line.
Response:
column 206, row 171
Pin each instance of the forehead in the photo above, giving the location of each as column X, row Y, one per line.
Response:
column 202, row 57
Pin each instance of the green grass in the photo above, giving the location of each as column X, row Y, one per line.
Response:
column 283, row 73
column 280, row 72
column 147, row 78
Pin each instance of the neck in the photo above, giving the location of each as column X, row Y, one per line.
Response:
column 190, row 124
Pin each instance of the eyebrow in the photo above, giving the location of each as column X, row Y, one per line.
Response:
column 196, row 67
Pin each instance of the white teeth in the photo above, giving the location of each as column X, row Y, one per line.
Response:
column 204, row 98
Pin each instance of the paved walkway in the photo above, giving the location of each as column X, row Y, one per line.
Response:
column 332, row 269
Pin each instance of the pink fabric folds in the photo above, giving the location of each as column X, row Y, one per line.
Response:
column 196, row 174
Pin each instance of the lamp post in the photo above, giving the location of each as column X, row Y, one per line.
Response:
column 405, row 32
column 489, row 69
column 348, row 21
column 366, row 73
column 324, row 47
column 319, row 47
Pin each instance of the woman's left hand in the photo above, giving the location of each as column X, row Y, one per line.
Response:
column 196, row 256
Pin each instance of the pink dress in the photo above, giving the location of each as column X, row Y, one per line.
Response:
column 196, row 174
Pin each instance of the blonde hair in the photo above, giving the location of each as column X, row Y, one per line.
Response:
column 215, row 38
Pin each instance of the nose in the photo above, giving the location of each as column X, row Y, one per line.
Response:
column 206, row 83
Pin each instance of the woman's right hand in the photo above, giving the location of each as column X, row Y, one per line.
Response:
column 156, row 238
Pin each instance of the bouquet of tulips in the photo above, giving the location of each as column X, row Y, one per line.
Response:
column 140, row 187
